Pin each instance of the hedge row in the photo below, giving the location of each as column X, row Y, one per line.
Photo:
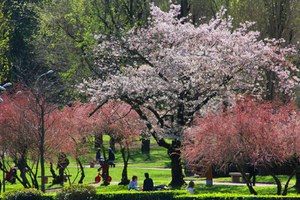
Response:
column 89, row 193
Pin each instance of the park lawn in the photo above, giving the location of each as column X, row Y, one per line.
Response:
column 239, row 190
column 263, row 179
column 159, row 176
column 200, row 188
column 158, row 166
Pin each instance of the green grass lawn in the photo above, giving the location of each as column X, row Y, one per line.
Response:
column 158, row 166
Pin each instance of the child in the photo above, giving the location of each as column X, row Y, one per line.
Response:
column 190, row 187
column 133, row 184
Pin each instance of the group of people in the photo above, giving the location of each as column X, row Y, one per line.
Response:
column 104, row 165
column 147, row 186
column 111, row 157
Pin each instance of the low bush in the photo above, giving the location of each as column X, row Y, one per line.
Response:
column 25, row 194
column 161, row 195
column 76, row 192
column 220, row 196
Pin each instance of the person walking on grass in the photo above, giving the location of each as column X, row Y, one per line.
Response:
column 148, row 183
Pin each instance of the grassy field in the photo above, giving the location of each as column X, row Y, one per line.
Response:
column 158, row 166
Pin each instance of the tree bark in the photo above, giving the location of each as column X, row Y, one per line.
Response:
column 124, row 179
column 145, row 146
column 278, row 183
column 285, row 190
column 297, row 186
column 112, row 144
column 185, row 8
column 42, row 147
column 247, row 180
column 22, row 166
column 98, row 140
column 82, row 171
column 177, row 174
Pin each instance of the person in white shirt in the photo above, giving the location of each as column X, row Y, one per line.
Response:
column 190, row 187
column 133, row 184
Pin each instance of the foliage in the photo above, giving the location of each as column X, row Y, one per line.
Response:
column 250, row 134
column 172, row 71
column 67, row 29
column 26, row 194
column 230, row 197
column 30, row 122
column 138, row 195
column 5, row 31
column 75, row 192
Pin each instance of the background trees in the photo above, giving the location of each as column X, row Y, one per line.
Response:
column 168, row 81
column 252, row 133
column 122, row 123
column 171, row 71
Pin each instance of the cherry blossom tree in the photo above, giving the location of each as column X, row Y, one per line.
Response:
column 25, row 117
column 74, row 127
column 250, row 134
column 171, row 71
column 19, row 136
column 123, row 124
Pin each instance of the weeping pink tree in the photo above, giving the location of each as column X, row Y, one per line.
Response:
column 171, row 71
column 123, row 124
column 260, row 135
column 73, row 126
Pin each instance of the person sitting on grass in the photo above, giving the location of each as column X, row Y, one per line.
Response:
column 133, row 184
column 190, row 187
column 148, row 183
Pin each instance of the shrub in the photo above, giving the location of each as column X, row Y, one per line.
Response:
column 75, row 192
column 25, row 194
column 129, row 195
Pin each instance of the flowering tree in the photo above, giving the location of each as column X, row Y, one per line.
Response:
column 22, row 119
column 17, row 128
column 123, row 124
column 74, row 127
column 20, row 125
column 250, row 134
column 171, row 71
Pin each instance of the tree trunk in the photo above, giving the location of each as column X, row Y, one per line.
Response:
column 185, row 8
column 270, row 85
column 124, row 179
column 285, row 191
column 209, row 176
column 247, row 180
column 22, row 166
column 98, row 140
column 278, row 183
column 112, row 144
column 297, row 186
column 177, row 174
column 145, row 146
column 82, row 171
column 52, row 171
column 42, row 147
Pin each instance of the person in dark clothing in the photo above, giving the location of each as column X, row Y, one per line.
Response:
column 62, row 164
column 252, row 174
column 111, row 158
column 98, row 155
column 148, row 183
